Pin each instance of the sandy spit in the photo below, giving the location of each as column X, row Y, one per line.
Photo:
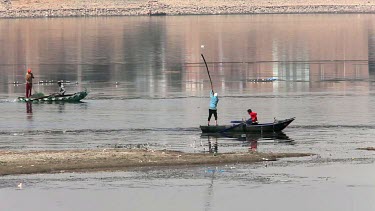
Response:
column 30, row 162
column 84, row 8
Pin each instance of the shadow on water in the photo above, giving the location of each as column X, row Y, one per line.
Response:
column 251, row 141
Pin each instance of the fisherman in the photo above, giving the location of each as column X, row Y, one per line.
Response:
column 61, row 88
column 253, row 117
column 29, row 82
column 213, row 106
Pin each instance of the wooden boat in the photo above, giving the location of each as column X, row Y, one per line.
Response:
column 71, row 98
column 244, row 127
column 157, row 14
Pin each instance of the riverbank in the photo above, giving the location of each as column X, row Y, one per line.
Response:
column 31, row 162
column 83, row 8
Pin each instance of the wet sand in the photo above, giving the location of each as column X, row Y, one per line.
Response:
column 30, row 162
column 70, row 8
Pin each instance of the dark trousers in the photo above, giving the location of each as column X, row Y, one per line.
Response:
column 214, row 112
column 28, row 89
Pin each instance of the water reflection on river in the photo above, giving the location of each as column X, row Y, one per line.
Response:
column 148, row 86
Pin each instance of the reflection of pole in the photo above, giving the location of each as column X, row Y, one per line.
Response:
column 215, row 146
column 210, row 192
column 209, row 144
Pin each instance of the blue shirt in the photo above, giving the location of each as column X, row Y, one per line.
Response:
column 213, row 101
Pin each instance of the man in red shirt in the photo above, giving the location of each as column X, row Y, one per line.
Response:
column 29, row 82
column 253, row 116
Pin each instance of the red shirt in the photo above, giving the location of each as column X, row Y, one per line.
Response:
column 253, row 116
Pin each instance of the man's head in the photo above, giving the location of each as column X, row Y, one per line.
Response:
column 59, row 83
column 215, row 94
column 249, row 111
column 29, row 70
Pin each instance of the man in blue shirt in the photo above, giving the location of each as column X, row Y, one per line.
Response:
column 213, row 106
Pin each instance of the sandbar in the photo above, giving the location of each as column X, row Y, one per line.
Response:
column 90, row 160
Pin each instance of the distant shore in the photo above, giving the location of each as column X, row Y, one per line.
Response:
column 85, row 8
column 59, row 161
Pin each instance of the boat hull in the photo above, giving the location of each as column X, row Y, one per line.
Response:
column 76, row 97
column 276, row 126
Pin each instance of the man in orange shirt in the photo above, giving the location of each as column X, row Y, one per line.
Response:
column 29, row 82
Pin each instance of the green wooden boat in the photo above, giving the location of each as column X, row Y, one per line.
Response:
column 70, row 98
column 244, row 127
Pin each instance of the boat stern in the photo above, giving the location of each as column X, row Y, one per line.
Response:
column 212, row 129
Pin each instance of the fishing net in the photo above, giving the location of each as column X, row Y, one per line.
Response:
column 37, row 95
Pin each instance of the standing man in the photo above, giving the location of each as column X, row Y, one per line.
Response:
column 29, row 82
column 61, row 88
column 213, row 106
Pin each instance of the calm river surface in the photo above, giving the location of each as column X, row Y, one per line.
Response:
column 149, row 87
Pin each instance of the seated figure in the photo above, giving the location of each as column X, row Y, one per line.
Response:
column 253, row 117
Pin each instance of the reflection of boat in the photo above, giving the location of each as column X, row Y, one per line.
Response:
column 264, row 137
column 250, row 140
column 76, row 97
column 274, row 137
column 244, row 127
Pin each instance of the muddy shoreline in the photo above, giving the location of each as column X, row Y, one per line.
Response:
column 86, row 8
column 32, row 162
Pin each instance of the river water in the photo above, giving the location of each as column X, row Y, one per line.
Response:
column 148, row 87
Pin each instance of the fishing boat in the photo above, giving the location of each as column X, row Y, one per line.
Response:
column 157, row 13
column 246, row 127
column 71, row 98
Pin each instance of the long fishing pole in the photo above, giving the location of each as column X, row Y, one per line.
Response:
column 212, row 88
